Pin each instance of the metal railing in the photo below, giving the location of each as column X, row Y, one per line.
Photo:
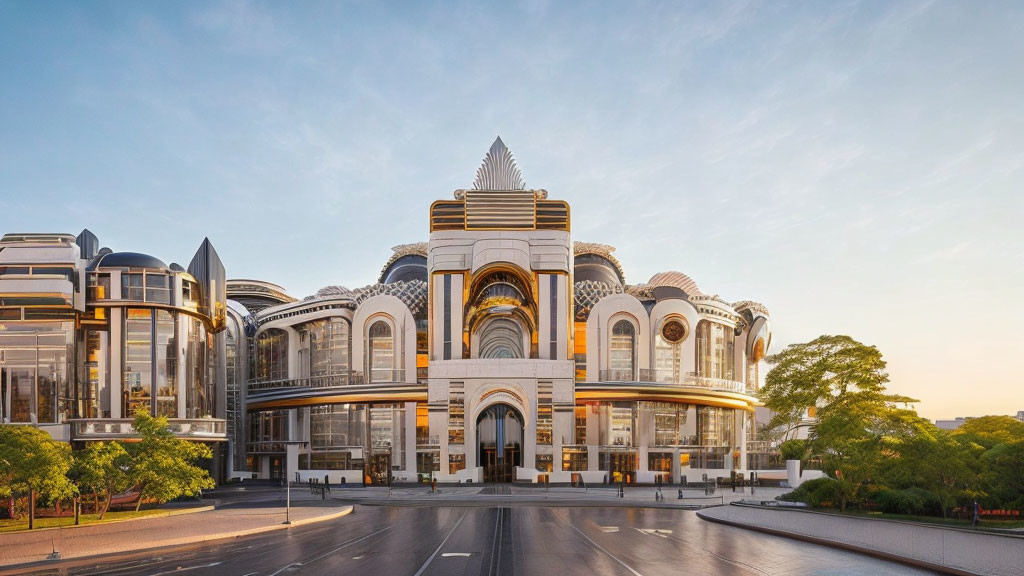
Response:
column 330, row 381
column 379, row 376
column 672, row 378
column 429, row 441
column 262, row 386
column 102, row 428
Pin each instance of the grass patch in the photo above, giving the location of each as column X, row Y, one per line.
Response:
column 983, row 523
column 22, row 523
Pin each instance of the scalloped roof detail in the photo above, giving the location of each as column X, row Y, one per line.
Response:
column 676, row 279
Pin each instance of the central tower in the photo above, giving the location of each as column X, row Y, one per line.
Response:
column 499, row 262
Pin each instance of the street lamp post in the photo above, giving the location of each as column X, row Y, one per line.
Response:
column 291, row 450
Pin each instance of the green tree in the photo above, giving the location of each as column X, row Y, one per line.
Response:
column 102, row 467
column 988, row 431
column 1004, row 474
column 31, row 460
column 855, row 417
column 823, row 374
column 162, row 467
column 922, row 456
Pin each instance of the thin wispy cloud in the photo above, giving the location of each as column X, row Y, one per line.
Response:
column 856, row 166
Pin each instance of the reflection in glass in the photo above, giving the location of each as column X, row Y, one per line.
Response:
column 382, row 352
column 132, row 287
column 166, row 365
column 622, row 350
column 137, row 359
column 715, row 350
column 272, row 355
column 329, row 347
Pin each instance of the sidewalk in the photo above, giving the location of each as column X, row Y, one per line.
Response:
column 504, row 495
column 236, row 519
column 949, row 550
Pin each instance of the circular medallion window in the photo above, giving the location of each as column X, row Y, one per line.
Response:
column 673, row 331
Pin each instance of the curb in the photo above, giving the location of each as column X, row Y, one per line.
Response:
column 837, row 544
column 29, row 567
column 1006, row 532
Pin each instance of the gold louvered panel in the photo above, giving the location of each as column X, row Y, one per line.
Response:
column 552, row 215
column 504, row 209
column 448, row 215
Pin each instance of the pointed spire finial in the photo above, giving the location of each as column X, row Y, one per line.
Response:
column 499, row 170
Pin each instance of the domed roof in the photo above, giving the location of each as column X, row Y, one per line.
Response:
column 130, row 260
column 676, row 280
column 408, row 262
column 595, row 262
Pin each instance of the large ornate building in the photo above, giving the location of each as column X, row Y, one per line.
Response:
column 498, row 350
column 89, row 336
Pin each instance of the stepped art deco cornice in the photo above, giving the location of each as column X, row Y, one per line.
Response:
column 499, row 200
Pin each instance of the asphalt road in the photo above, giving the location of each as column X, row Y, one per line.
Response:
column 420, row 541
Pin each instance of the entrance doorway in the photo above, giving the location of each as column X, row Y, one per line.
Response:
column 379, row 471
column 499, row 432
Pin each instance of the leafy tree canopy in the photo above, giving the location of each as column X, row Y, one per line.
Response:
column 31, row 460
column 102, row 467
column 163, row 466
column 988, row 431
column 829, row 373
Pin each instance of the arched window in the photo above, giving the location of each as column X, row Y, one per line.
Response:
column 382, row 352
column 622, row 353
column 501, row 338
column 715, row 350
column 272, row 355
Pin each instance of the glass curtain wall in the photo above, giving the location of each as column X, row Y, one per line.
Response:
column 137, row 360
column 334, row 430
column 715, row 350
column 272, row 355
column 329, row 347
column 200, row 373
column 616, row 423
column 150, row 362
column 35, row 374
column 166, row 330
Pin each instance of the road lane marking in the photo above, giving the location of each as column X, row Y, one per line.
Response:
column 329, row 552
column 607, row 529
column 456, row 554
column 602, row 549
column 179, row 569
column 653, row 532
column 439, row 546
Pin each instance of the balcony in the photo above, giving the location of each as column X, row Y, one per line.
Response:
column 204, row 429
column 673, row 378
column 293, row 384
column 379, row 376
column 311, row 383
column 427, row 442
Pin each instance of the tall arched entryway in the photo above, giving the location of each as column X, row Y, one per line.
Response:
column 499, row 433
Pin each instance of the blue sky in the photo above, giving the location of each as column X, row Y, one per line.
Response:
column 857, row 167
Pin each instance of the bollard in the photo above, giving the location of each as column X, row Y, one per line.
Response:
column 680, row 494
